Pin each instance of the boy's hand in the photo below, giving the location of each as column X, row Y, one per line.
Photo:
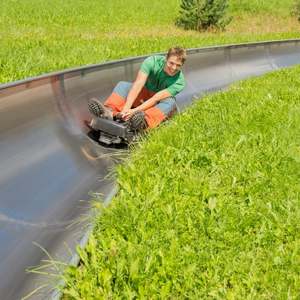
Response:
column 127, row 114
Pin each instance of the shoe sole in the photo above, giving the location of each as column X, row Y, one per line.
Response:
column 137, row 122
column 95, row 108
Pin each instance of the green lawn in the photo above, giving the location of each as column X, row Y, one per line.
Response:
column 208, row 206
column 275, row 7
column 41, row 36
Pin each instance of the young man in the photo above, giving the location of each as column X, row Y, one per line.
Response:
column 150, row 99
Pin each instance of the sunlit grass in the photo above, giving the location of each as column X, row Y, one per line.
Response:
column 42, row 36
column 208, row 206
column 274, row 7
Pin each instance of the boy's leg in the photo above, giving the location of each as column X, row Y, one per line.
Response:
column 113, row 104
column 158, row 113
column 117, row 99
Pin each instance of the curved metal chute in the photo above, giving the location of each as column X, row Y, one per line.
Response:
column 48, row 164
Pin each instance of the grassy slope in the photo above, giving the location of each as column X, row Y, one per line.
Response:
column 222, row 220
column 209, row 206
column 40, row 36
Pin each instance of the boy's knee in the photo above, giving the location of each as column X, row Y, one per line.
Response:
column 122, row 88
column 172, row 101
column 167, row 106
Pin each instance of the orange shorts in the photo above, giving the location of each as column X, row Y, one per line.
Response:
column 153, row 115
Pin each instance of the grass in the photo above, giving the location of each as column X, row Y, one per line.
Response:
column 42, row 36
column 208, row 206
column 275, row 7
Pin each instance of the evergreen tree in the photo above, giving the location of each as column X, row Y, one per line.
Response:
column 296, row 9
column 203, row 14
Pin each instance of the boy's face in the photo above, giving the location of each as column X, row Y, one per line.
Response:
column 173, row 65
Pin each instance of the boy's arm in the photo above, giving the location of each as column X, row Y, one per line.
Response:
column 153, row 100
column 149, row 103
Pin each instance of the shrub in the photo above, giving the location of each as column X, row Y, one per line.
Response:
column 296, row 9
column 203, row 14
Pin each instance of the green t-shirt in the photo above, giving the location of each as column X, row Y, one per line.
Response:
column 158, row 79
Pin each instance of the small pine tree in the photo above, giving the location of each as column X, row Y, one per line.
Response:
column 296, row 9
column 203, row 14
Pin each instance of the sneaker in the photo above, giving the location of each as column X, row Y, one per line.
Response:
column 137, row 122
column 99, row 110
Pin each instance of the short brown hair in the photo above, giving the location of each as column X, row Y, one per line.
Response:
column 177, row 51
